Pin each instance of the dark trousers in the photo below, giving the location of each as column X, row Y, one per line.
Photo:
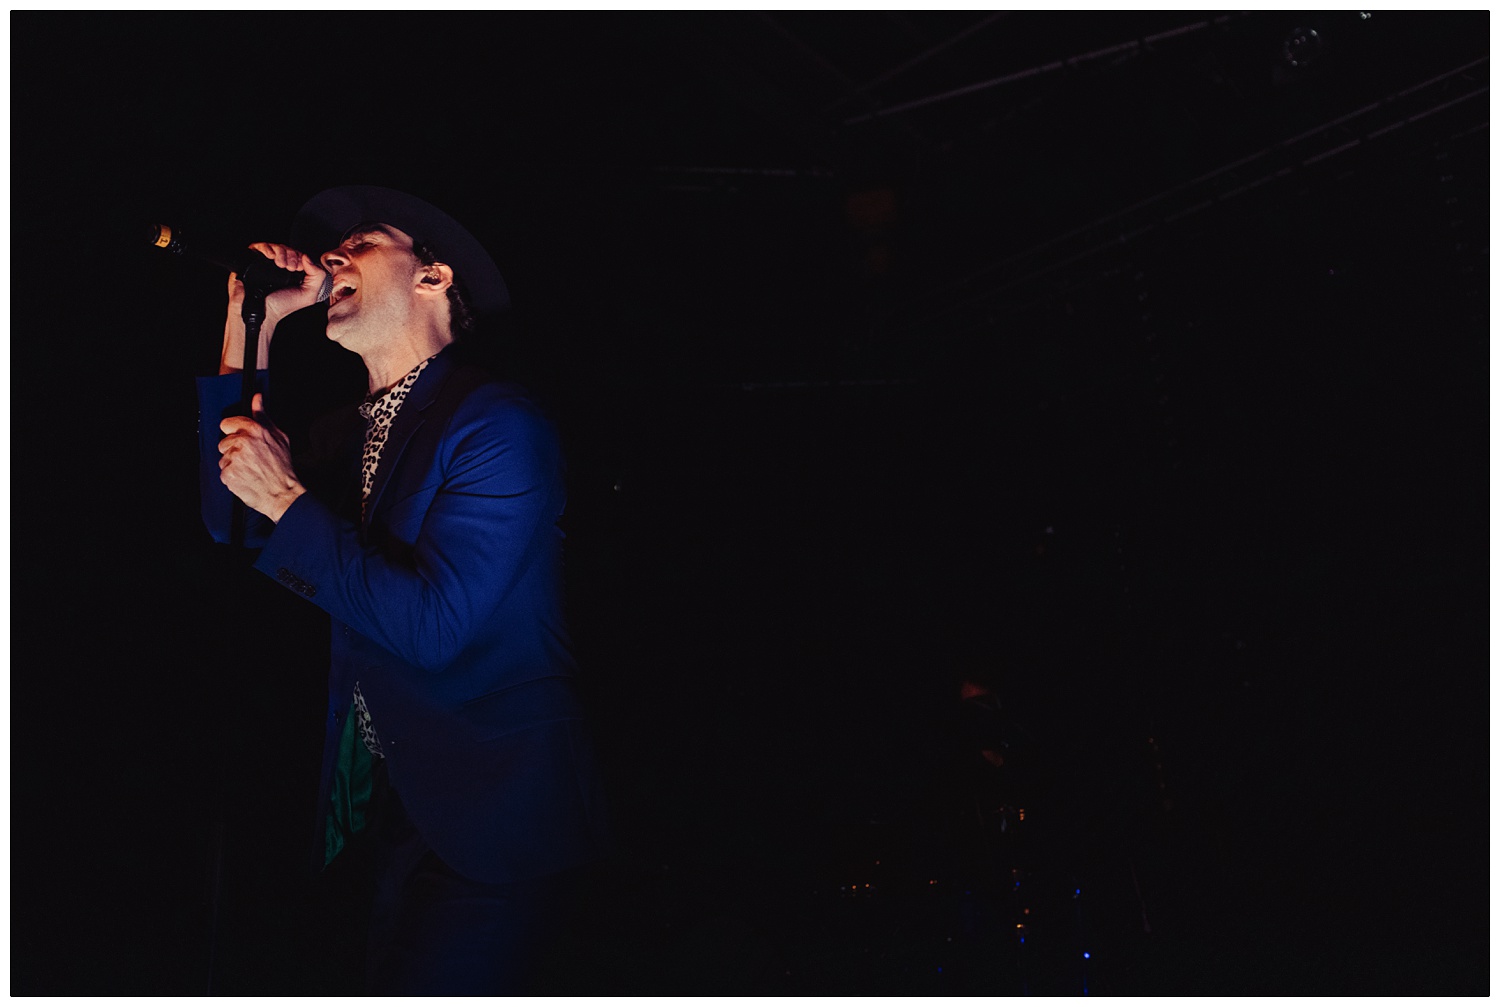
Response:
column 435, row 932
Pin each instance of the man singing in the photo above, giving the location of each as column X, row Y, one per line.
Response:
column 425, row 525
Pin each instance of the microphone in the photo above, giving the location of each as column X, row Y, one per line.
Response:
column 253, row 268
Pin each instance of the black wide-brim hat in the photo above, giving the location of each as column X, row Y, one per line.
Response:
column 324, row 220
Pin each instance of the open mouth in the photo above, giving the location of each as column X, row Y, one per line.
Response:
column 339, row 293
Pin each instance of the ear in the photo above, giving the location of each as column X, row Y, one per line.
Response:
column 434, row 279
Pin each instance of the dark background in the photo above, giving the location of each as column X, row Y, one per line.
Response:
column 1146, row 385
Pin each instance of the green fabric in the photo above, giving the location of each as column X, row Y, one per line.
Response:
column 353, row 782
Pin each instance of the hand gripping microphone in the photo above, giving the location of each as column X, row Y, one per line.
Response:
column 254, row 269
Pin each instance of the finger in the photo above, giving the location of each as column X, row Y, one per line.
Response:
column 237, row 425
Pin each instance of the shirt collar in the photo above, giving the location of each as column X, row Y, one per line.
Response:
column 402, row 386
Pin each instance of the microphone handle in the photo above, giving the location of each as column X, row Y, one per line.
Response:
column 254, row 269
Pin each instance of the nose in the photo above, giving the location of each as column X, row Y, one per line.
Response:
column 332, row 259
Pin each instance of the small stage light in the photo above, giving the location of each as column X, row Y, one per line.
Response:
column 1301, row 47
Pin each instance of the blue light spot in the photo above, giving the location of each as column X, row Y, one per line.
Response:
column 1086, row 954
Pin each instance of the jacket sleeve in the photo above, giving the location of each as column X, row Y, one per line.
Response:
column 490, row 503
column 217, row 398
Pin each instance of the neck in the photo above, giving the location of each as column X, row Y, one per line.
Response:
column 393, row 360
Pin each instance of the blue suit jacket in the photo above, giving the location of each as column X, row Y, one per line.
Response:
column 447, row 609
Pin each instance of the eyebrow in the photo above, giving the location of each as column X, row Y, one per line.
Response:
column 360, row 230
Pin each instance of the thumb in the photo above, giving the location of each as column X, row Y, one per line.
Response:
column 258, row 412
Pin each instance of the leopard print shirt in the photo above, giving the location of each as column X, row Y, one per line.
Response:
column 379, row 412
